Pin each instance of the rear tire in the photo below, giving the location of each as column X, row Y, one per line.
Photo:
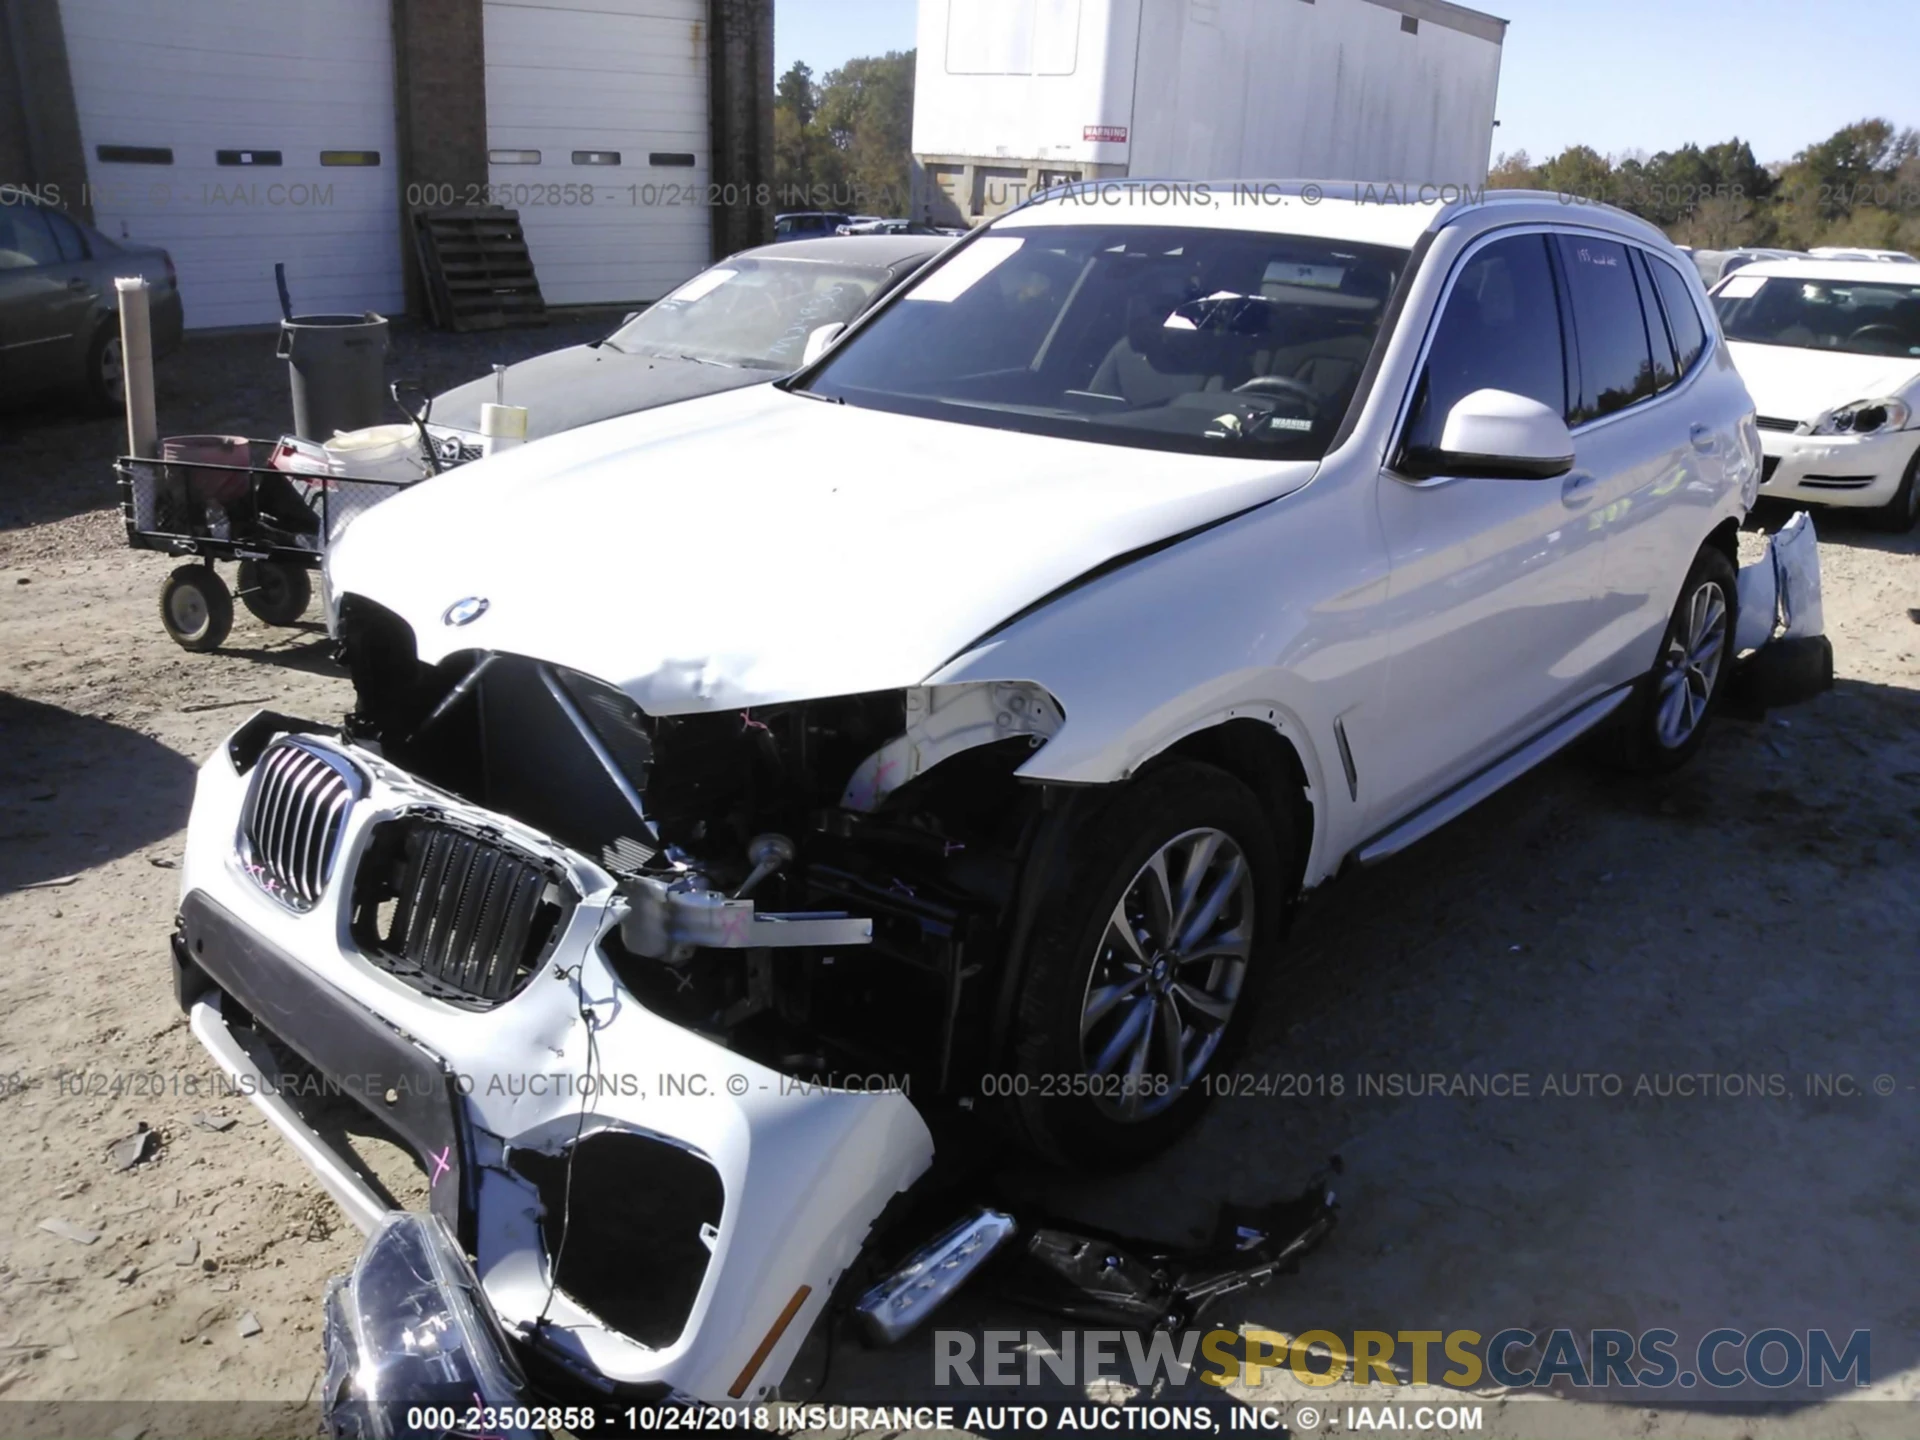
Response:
column 196, row 608
column 1899, row 514
column 106, row 370
column 1117, row 1032
column 1667, row 720
column 276, row 594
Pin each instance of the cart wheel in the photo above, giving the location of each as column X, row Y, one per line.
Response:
column 196, row 608
column 276, row 593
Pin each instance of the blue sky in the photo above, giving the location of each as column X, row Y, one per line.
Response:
column 1618, row 75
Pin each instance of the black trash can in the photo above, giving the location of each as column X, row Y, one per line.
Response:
column 338, row 364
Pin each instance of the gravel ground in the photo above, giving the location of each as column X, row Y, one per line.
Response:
column 1755, row 916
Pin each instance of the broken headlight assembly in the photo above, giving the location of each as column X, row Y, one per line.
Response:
column 412, row 1346
column 1862, row 417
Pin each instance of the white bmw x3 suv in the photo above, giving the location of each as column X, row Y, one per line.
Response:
column 739, row 793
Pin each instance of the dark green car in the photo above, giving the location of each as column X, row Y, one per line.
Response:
column 59, row 318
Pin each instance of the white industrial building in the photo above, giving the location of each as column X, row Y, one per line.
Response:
column 238, row 133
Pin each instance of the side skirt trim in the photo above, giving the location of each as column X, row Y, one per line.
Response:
column 1464, row 796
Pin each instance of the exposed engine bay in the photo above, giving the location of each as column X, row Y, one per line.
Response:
column 826, row 886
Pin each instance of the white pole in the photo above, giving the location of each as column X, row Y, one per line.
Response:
column 136, row 360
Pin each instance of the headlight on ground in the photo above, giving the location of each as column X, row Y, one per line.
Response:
column 411, row 1341
column 1863, row 417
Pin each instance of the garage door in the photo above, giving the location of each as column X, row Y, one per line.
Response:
column 597, row 128
column 241, row 132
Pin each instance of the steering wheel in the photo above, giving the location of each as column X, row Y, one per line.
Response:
column 1880, row 330
column 1280, row 385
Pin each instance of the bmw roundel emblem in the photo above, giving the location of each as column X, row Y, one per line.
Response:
column 465, row 612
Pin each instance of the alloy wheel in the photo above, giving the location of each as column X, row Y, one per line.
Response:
column 113, row 370
column 1696, row 650
column 1167, row 974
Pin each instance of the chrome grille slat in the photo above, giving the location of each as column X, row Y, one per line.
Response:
column 295, row 816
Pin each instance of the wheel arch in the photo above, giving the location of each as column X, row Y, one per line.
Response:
column 1260, row 756
column 1725, row 537
column 1249, row 743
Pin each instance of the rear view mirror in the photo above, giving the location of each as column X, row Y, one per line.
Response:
column 819, row 340
column 1502, row 436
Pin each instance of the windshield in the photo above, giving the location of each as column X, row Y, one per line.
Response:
column 1849, row 316
column 750, row 312
column 1207, row 341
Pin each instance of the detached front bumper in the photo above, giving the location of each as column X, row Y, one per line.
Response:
column 721, row 1200
column 1851, row 470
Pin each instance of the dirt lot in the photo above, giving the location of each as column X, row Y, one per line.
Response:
column 1755, row 917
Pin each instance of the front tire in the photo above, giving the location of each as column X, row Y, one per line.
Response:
column 1667, row 721
column 1144, row 966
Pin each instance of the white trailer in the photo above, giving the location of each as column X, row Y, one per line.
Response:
column 1014, row 96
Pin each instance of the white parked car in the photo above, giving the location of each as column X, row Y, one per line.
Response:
column 1830, row 350
column 715, row 827
column 1850, row 252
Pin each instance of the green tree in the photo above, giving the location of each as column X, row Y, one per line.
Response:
column 866, row 108
column 1580, row 171
column 808, row 171
column 1513, row 172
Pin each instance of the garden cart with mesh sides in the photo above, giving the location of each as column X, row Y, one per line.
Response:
column 257, row 503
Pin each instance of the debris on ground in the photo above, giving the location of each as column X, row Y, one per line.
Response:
column 67, row 1230
column 143, row 1144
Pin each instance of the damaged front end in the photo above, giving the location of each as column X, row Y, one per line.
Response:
column 668, row 1007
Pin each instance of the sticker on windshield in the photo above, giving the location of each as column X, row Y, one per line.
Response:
column 1740, row 287
column 704, row 283
column 967, row 269
column 1321, row 277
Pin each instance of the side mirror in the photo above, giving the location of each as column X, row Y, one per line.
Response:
column 819, row 340
column 1501, row 436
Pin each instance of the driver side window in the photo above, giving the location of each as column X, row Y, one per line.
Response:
column 1500, row 330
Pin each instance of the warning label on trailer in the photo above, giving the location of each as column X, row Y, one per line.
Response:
column 1105, row 134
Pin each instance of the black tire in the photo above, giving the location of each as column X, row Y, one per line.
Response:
column 196, row 608
column 1073, row 944
column 275, row 593
column 106, row 378
column 1646, row 738
column 1899, row 514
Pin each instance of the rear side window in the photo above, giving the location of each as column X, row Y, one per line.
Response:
column 1616, row 358
column 1500, row 331
column 1689, row 335
column 67, row 236
column 1663, row 367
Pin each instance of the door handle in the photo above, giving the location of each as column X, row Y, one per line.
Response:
column 1704, row 440
column 1577, row 489
column 79, row 283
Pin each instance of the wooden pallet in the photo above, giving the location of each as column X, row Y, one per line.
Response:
column 478, row 273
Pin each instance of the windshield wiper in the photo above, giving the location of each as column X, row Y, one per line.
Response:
column 813, row 395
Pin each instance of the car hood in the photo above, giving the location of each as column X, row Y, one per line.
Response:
column 568, row 388
column 1796, row 384
column 760, row 546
